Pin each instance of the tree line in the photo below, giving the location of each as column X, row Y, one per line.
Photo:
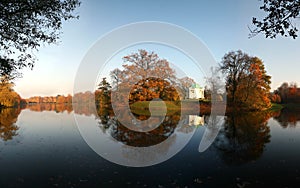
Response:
column 286, row 93
column 59, row 99
column 26, row 25
column 10, row 98
column 145, row 77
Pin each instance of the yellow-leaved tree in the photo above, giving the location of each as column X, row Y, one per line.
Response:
column 8, row 97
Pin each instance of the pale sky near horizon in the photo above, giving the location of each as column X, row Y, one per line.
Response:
column 221, row 25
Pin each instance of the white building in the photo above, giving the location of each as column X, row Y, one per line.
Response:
column 196, row 120
column 196, row 92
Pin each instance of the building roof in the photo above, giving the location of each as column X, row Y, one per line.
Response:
column 195, row 85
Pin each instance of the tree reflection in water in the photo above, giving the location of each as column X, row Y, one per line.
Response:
column 8, row 118
column 134, row 138
column 243, row 137
column 287, row 118
column 58, row 108
column 153, row 146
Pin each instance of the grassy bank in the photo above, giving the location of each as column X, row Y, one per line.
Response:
column 192, row 107
column 276, row 107
column 185, row 107
column 142, row 107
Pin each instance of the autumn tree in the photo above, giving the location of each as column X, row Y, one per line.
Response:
column 142, row 65
column 83, row 98
column 69, row 99
column 289, row 93
column 247, row 82
column 26, row 25
column 279, row 19
column 146, row 66
column 152, row 88
column 275, row 97
column 60, row 99
column 8, row 97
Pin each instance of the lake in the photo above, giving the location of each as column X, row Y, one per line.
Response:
column 43, row 146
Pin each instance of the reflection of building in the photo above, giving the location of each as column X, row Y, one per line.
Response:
column 196, row 120
column 196, row 92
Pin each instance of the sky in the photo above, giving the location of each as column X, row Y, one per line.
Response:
column 221, row 25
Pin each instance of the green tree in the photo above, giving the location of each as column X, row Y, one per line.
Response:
column 247, row 82
column 26, row 25
column 279, row 19
column 103, row 94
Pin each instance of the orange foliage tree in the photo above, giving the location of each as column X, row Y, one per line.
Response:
column 150, row 77
column 289, row 93
column 247, row 83
column 8, row 97
column 151, row 88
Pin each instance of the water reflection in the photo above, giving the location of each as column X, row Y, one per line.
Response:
column 196, row 120
column 50, row 107
column 50, row 143
column 287, row 118
column 86, row 110
column 8, row 118
column 130, row 137
column 243, row 137
column 191, row 122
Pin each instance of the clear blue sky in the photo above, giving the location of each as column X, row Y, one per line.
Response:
column 221, row 25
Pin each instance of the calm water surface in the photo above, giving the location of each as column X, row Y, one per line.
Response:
column 42, row 147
